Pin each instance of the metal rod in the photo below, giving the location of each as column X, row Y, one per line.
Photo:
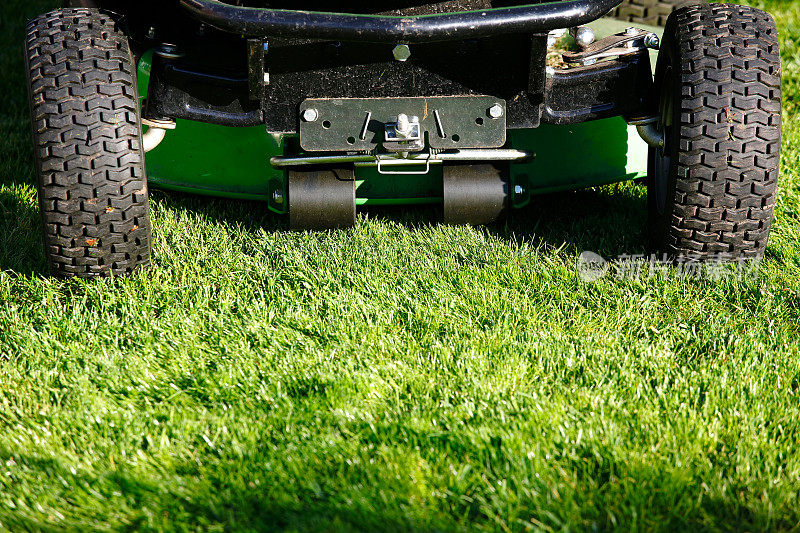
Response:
column 399, row 201
column 535, row 18
column 412, row 159
column 156, row 131
column 365, row 127
column 439, row 127
column 649, row 131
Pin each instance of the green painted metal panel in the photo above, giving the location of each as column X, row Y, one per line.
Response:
column 374, row 188
column 583, row 155
column 213, row 160
column 230, row 162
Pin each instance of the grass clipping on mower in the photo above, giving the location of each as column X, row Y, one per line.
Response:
column 555, row 55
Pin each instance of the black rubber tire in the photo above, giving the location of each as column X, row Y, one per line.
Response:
column 653, row 12
column 80, row 3
column 88, row 144
column 720, row 66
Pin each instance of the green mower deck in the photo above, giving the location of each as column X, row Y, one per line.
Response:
column 234, row 162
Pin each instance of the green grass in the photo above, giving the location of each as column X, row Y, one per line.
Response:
column 397, row 376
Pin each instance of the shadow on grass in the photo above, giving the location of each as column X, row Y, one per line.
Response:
column 21, row 249
column 598, row 220
column 603, row 220
column 250, row 215
column 608, row 221
column 605, row 497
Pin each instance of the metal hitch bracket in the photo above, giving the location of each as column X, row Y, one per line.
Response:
column 364, row 124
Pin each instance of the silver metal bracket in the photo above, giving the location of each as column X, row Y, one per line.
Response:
column 383, row 163
column 366, row 124
column 404, row 135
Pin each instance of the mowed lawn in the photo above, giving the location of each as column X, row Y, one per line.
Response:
column 401, row 375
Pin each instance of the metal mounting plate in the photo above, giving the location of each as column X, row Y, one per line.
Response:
column 359, row 124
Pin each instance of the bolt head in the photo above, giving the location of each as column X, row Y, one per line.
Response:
column 651, row 40
column 518, row 189
column 169, row 51
column 584, row 36
column 403, row 124
column 401, row 52
column 496, row 111
column 277, row 196
column 310, row 114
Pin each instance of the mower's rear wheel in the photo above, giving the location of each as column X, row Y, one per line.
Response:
column 87, row 144
column 80, row 3
column 712, row 187
column 322, row 199
column 653, row 12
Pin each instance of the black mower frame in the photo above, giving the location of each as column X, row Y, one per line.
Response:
column 230, row 65
column 535, row 18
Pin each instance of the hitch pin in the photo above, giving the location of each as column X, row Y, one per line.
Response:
column 363, row 135
column 439, row 127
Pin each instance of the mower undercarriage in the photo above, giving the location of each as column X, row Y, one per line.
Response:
column 412, row 102
column 400, row 94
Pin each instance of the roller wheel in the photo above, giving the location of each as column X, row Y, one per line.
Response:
column 87, row 144
column 712, row 187
column 475, row 194
column 322, row 199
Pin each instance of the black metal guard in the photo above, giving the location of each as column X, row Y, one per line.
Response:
column 259, row 22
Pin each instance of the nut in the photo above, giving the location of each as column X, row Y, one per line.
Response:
column 496, row 111
column 403, row 125
column 310, row 114
column 401, row 52
column 652, row 41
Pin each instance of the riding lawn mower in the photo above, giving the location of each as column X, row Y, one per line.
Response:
column 319, row 108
